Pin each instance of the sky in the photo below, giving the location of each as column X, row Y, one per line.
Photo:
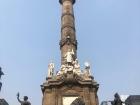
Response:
column 108, row 34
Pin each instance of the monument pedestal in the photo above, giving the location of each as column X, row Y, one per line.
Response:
column 64, row 89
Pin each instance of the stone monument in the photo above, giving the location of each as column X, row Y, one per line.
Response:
column 70, row 86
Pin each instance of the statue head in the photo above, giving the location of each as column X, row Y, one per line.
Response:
column 87, row 65
column 68, row 36
column 116, row 95
column 25, row 98
column 76, row 60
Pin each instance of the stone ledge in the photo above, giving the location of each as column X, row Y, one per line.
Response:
column 69, row 79
column 61, row 1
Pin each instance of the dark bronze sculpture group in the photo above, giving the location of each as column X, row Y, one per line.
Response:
column 117, row 100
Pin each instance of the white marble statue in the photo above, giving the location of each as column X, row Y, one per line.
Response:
column 76, row 67
column 51, row 69
column 69, row 57
column 87, row 69
column 62, row 70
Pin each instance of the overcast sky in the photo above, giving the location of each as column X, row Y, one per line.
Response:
column 108, row 34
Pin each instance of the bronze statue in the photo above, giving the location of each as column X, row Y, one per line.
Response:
column 117, row 100
column 25, row 102
column 1, row 73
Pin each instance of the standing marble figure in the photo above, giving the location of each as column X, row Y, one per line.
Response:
column 51, row 69
column 69, row 56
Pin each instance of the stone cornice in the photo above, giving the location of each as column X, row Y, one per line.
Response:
column 68, row 42
column 69, row 79
column 61, row 1
column 64, row 14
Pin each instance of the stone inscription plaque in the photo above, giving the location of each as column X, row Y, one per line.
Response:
column 68, row 100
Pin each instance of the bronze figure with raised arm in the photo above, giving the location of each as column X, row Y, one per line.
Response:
column 24, row 102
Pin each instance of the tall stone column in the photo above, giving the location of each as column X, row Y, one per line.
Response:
column 68, row 40
column 69, row 84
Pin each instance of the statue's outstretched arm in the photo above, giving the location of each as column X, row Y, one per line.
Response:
column 18, row 98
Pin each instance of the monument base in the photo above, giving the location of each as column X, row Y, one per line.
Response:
column 64, row 89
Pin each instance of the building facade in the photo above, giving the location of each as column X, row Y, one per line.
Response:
column 133, row 100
